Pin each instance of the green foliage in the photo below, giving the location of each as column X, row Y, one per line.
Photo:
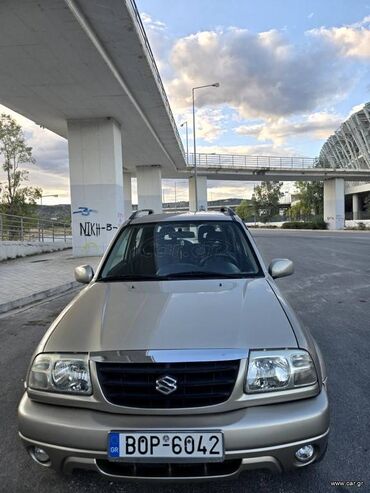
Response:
column 245, row 210
column 15, row 198
column 311, row 198
column 305, row 225
column 265, row 200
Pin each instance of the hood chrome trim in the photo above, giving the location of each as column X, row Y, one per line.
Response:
column 168, row 356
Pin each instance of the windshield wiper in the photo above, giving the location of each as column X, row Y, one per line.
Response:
column 199, row 273
column 133, row 277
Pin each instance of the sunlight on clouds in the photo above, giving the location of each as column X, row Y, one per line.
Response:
column 315, row 125
column 261, row 75
column 351, row 41
column 250, row 150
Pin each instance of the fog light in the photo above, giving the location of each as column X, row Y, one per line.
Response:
column 305, row 453
column 40, row 455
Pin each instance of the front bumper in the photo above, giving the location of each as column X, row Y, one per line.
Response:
column 258, row 437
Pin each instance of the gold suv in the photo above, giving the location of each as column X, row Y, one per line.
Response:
column 180, row 359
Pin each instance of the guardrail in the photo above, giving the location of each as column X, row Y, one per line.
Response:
column 244, row 161
column 22, row 228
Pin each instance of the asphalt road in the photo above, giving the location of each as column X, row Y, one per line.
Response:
column 330, row 292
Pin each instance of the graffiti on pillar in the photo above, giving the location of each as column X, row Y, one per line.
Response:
column 90, row 228
column 94, row 229
column 84, row 211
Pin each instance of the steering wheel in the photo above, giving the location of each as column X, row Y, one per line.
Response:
column 226, row 256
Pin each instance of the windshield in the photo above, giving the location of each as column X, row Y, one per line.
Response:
column 182, row 250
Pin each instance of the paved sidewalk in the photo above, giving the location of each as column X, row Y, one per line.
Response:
column 29, row 279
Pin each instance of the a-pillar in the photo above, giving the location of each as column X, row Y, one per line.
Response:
column 355, row 206
column 96, row 177
column 202, row 193
column 334, row 203
column 127, row 194
column 149, row 188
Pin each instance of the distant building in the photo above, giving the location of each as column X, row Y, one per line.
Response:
column 349, row 147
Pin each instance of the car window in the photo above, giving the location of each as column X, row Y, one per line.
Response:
column 170, row 250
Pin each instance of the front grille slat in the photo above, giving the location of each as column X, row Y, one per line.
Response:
column 199, row 384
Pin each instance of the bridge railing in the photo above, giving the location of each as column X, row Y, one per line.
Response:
column 23, row 228
column 141, row 30
column 244, row 161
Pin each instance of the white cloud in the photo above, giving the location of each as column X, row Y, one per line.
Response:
column 151, row 23
column 249, row 150
column 210, row 122
column 350, row 41
column 159, row 42
column 261, row 75
column 317, row 125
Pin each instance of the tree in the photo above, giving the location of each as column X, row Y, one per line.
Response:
column 311, row 197
column 265, row 200
column 14, row 152
column 245, row 210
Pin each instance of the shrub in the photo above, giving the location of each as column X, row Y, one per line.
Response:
column 305, row 225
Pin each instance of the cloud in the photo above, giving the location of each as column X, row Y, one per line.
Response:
column 50, row 172
column 317, row 125
column 355, row 109
column 160, row 42
column 210, row 123
column 310, row 15
column 261, row 75
column 150, row 23
column 249, row 150
column 350, row 41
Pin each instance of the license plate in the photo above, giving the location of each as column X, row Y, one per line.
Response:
column 187, row 446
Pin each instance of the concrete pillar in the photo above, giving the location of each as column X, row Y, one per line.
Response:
column 334, row 203
column 355, row 206
column 95, row 166
column 202, row 193
column 127, row 194
column 149, row 188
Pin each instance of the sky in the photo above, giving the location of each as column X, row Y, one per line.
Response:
column 289, row 71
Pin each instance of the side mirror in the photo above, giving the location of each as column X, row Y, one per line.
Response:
column 84, row 274
column 281, row 267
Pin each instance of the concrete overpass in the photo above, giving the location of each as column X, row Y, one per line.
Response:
column 278, row 168
column 84, row 69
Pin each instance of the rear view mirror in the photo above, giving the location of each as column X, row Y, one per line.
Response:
column 281, row 267
column 84, row 274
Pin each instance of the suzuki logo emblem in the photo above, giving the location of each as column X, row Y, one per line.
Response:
column 166, row 385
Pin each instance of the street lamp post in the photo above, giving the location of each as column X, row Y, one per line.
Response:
column 187, row 140
column 216, row 84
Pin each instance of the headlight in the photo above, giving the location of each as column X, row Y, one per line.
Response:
column 65, row 373
column 279, row 370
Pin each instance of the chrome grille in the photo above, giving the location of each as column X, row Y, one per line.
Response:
column 198, row 384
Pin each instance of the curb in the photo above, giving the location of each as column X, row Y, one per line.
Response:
column 340, row 231
column 41, row 295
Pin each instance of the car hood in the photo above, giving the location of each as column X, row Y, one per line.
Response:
column 186, row 314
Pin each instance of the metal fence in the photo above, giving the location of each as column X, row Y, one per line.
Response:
column 21, row 228
column 244, row 161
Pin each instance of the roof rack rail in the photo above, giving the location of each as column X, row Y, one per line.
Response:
column 136, row 213
column 228, row 210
